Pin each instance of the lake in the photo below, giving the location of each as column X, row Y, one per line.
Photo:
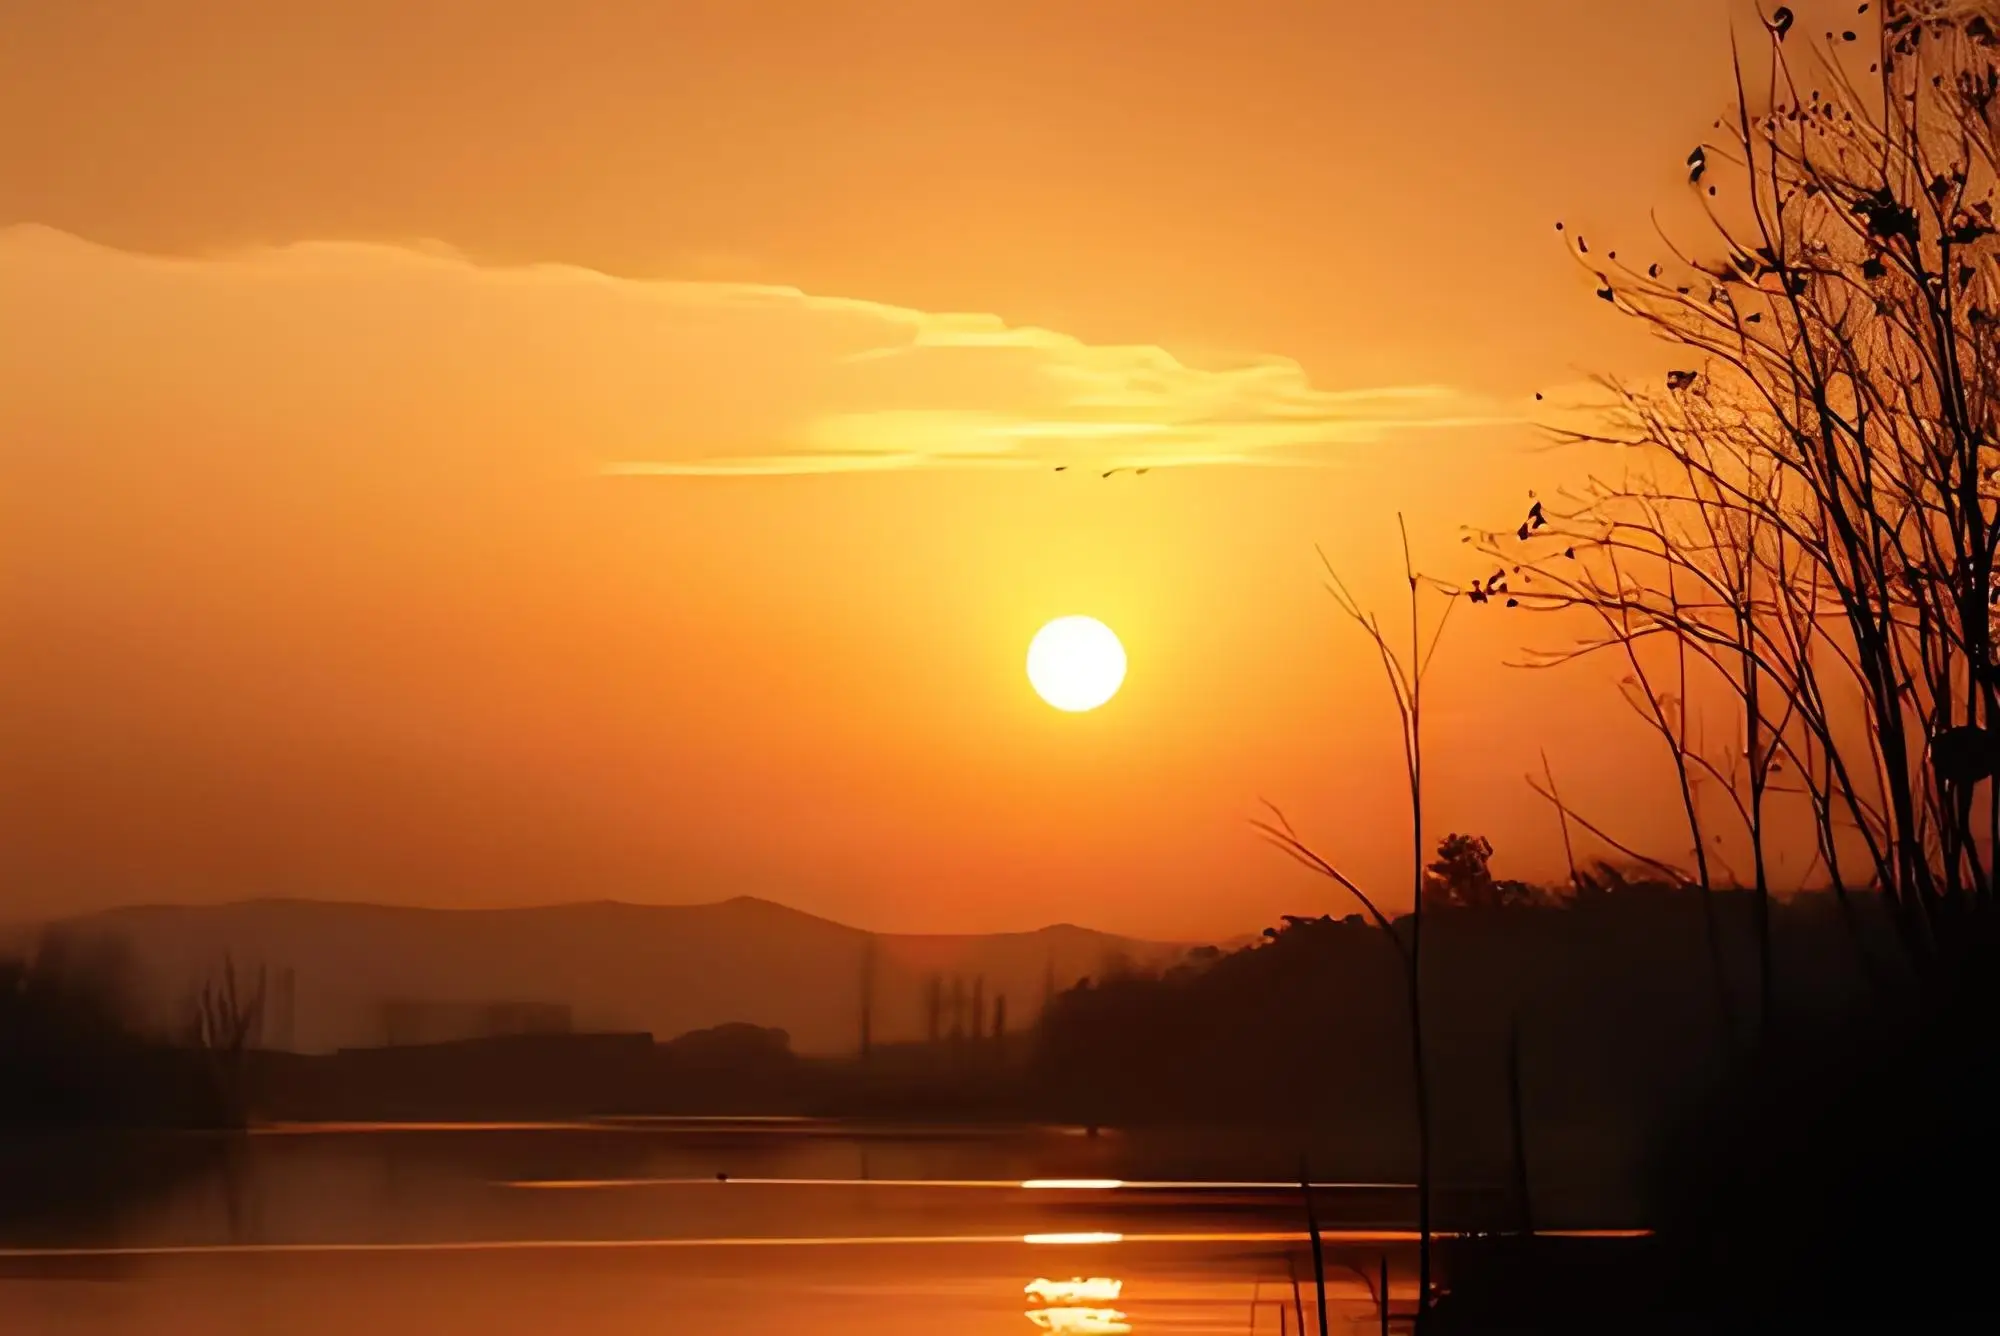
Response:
column 665, row 1226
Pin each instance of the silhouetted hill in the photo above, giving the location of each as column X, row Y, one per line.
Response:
column 360, row 971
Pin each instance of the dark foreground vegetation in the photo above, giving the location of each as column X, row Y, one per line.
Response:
column 1575, row 1028
column 71, row 1057
column 1838, row 1179
column 74, row 1067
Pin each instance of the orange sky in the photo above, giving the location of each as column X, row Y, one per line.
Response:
column 366, row 370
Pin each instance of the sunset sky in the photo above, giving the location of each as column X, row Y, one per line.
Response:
column 501, row 452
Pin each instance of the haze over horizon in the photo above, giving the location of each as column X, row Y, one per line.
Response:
column 611, row 453
column 531, row 906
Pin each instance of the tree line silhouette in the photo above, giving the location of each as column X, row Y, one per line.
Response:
column 1598, row 997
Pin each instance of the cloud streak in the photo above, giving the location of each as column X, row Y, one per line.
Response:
column 635, row 378
column 970, row 391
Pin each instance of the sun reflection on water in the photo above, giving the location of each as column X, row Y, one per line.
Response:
column 1080, row 1321
column 1076, row 1290
column 1077, row 1306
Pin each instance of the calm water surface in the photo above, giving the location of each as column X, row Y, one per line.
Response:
column 667, row 1227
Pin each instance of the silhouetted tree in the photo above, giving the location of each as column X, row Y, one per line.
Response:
column 225, row 1022
column 1810, row 515
column 1460, row 876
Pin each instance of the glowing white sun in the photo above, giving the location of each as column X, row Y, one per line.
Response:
column 1076, row 663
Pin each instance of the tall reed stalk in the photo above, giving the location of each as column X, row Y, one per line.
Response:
column 1405, row 672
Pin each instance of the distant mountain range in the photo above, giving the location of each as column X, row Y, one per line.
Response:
column 345, row 975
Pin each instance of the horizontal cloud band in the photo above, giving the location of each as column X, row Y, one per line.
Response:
column 650, row 378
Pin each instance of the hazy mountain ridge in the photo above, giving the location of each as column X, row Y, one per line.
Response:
column 614, row 965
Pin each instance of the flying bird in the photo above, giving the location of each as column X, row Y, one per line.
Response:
column 1697, row 163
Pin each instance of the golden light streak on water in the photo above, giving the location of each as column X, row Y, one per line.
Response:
column 836, row 1241
column 1007, row 1184
column 1081, row 1321
column 352, row 1129
column 1076, row 1290
column 1072, row 1184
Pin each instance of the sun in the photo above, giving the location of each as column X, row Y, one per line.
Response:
column 1076, row 663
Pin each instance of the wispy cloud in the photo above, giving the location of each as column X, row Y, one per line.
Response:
column 970, row 391
column 649, row 379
